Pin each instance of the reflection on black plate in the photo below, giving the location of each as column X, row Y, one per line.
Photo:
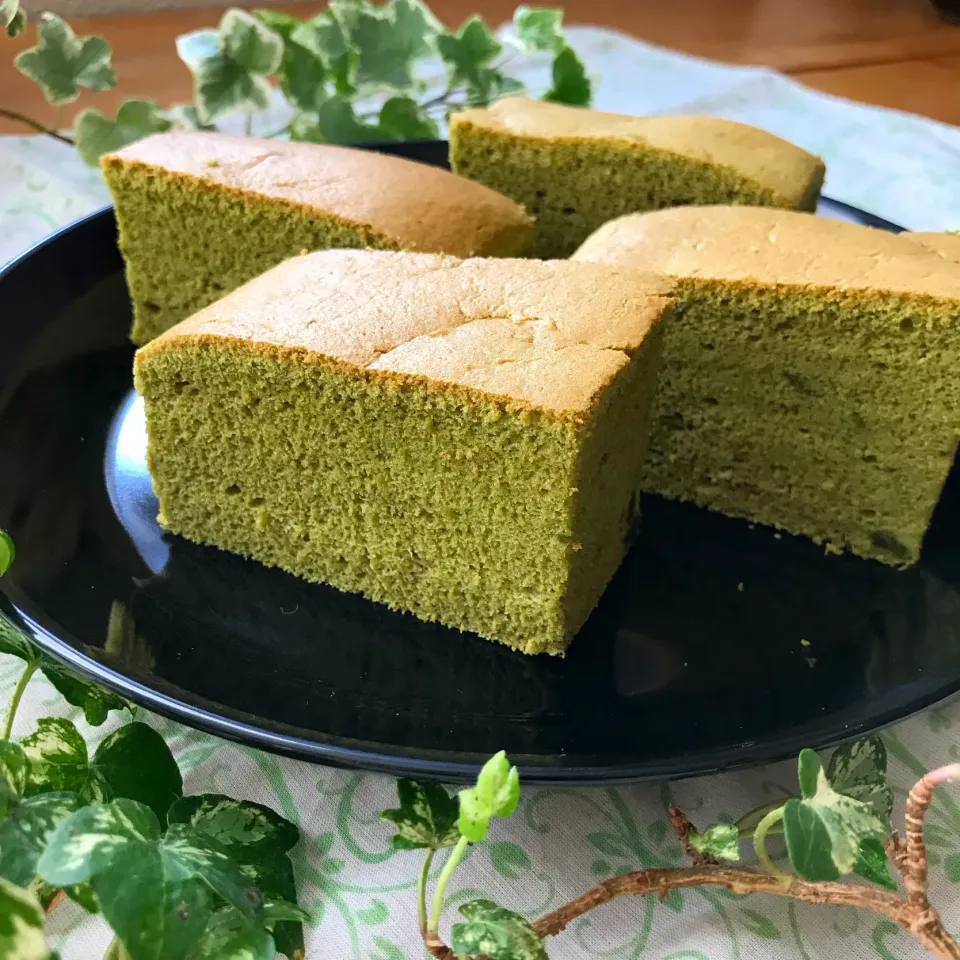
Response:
column 716, row 644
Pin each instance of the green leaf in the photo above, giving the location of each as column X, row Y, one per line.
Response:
column 14, row 642
column 493, row 932
column 403, row 119
column 14, row 22
column 509, row 859
column 272, row 873
column 722, row 841
column 251, row 44
column 302, row 76
column 336, row 122
column 95, row 701
column 872, row 864
column 95, row 134
column 325, row 36
column 859, row 770
column 279, row 22
column 21, row 925
column 7, row 550
column 135, row 763
column 156, row 892
column 496, row 794
column 571, row 84
column 25, row 830
column 824, row 830
column 389, row 40
column 426, row 817
column 468, row 54
column 61, row 62
column 14, row 772
column 230, row 936
column 185, row 116
column 58, row 759
column 240, row 826
column 539, row 28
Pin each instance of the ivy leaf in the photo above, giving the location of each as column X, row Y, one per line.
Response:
column 426, row 817
column 404, row 119
column 14, row 23
column 859, row 770
column 336, row 122
column 185, row 116
column 385, row 54
column 15, row 643
column 496, row 794
column 257, row 838
column 14, row 771
column 279, row 22
column 25, row 831
column 156, row 891
column 95, row 701
column 493, row 932
column 235, row 824
column 135, row 763
column 468, row 54
column 96, row 134
column 539, row 28
column 58, row 760
column 302, row 76
column 230, row 936
column 872, row 864
column 722, row 841
column 230, row 65
column 325, row 36
column 61, row 62
column 21, row 925
column 416, row 23
column 7, row 550
column 571, row 84
column 824, row 830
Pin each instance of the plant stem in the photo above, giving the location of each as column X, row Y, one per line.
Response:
column 248, row 125
column 28, row 672
column 35, row 125
column 747, row 824
column 422, row 890
column 456, row 855
column 760, row 845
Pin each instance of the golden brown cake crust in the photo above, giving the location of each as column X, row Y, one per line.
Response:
column 544, row 335
column 947, row 245
column 771, row 162
column 417, row 206
column 766, row 246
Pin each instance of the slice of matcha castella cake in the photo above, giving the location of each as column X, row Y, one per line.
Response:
column 201, row 213
column 810, row 374
column 444, row 436
column 575, row 169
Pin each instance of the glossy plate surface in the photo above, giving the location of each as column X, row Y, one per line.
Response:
column 716, row 645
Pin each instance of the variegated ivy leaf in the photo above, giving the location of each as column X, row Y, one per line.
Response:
column 571, row 84
column 7, row 551
column 496, row 794
column 722, row 841
column 468, row 54
column 15, row 643
column 95, row 701
column 235, row 824
column 14, row 770
column 859, row 770
column 230, row 936
column 21, row 925
column 824, row 830
column 157, row 892
column 872, row 863
column 14, row 22
column 230, row 65
column 95, row 134
column 426, row 817
column 61, row 62
column 133, row 762
column 258, row 839
column 336, row 122
column 539, row 28
column 491, row 931
column 404, row 119
column 390, row 39
column 25, row 830
column 328, row 39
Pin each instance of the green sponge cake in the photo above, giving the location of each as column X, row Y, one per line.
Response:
column 575, row 169
column 444, row 436
column 810, row 374
column 201, row 213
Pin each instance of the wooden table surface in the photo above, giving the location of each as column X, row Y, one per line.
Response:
column 896, row 53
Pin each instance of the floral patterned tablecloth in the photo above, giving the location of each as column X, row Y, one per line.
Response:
column 360, row 892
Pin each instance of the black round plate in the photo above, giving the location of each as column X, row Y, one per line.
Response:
column 716, row 645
